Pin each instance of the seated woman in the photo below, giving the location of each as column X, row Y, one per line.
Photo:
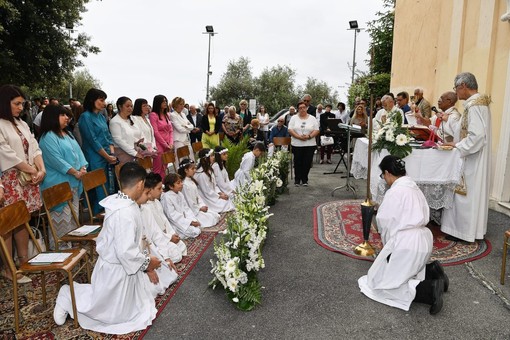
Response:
column 399, row 274
column 256, row 135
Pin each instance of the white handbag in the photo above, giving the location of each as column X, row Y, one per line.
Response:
column 327, row 140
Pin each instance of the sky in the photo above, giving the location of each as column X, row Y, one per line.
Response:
column 151, row 47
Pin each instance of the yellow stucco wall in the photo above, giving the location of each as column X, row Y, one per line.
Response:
column 436, row 39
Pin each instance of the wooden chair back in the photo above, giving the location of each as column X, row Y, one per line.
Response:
column 167, row 158
column 91, row 180
column 197, row 146
column 16, row 215
column 285, row 141
column 56, row 195
column 182, row 152
column 145, row 162
column 280, row 141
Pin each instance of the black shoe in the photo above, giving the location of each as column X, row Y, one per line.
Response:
column 437, row 296
column 452, row 238
column 438, row 271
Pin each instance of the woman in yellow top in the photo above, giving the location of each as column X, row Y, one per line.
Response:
column 211, row 126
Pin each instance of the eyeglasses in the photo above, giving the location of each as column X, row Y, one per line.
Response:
column 381, row 175
column 456, row 87
column 302, row 108
column 306, row 100
column 19, row 103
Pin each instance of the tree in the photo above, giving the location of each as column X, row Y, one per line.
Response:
column 381, row 39
column 360, row 87
column 37, row 47
column 320, row 92
column 236, row 83
column 275, row 88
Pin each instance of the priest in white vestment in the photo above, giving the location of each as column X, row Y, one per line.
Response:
column 400, row 267
column 467, row 218
column 118, row 300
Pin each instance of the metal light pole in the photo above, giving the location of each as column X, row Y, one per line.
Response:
column 353, row 24
column 208, row 30
column 69, row 27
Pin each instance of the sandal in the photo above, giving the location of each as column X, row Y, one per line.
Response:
column 19, row 277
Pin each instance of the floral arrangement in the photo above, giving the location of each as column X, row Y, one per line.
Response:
column 392, row 136
column 239, row 253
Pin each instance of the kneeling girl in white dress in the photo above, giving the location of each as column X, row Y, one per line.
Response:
column 220, row 171
column 177, row 210
column 213, row 197
column 154, row 242
column 176, row 248
column 206, row 217
column 242, row 175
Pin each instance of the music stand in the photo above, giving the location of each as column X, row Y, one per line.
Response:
column 347, row 184
column 336, row 131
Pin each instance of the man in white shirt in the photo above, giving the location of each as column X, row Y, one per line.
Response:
column 389, row 110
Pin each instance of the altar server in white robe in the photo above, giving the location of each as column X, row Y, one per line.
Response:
column 206, row 217
column 176, row 247
column 242, row 175
column 177, row 210
column 467, row 219
column 397, row 276
column 154, row 242
column 220, row 171
column 118, row 300
column 213, row 197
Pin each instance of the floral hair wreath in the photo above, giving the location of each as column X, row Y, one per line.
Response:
column 184, row 164
column 209, row 154
column 222, row 151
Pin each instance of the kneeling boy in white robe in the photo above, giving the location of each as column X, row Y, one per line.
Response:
column 176, row 248
column 118, row 300
column 242, row 175
column 154, row 242
column 176, row 209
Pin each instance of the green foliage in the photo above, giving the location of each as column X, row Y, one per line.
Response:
column 235, row 154
column 320, row 92
column 237, row 83
column 37, row 48
column 275, row 88
column 249, row 294
column 381, row 39
column 360, row 87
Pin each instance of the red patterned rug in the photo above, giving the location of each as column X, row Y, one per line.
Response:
column 337, row 227
column 37, row 321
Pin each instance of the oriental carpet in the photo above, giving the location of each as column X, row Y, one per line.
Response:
column 36, row 322
column 338, row 227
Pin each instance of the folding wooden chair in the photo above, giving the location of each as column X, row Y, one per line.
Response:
column 167, row 158
column 56, row 195
column 17, row 215
column 145, row 162
column 197, row 146
column 92, row 180
column 183, row 152
column 285, row 141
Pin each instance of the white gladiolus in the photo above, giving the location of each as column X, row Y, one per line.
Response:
column 389, row 136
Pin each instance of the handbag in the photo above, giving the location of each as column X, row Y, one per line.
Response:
column 24, row 178
column 327, row 140
column 32, row 248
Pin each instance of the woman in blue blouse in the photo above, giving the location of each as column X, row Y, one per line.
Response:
column 97, row 143
column 64, row 162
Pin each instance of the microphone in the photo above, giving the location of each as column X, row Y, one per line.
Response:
column 433, row 108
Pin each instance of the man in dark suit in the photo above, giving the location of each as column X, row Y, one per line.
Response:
column 195, row 118
column 307, row 99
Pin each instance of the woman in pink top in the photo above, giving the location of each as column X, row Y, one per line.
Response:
column 163, row 131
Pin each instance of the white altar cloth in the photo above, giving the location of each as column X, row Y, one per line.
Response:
column 436, row 172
